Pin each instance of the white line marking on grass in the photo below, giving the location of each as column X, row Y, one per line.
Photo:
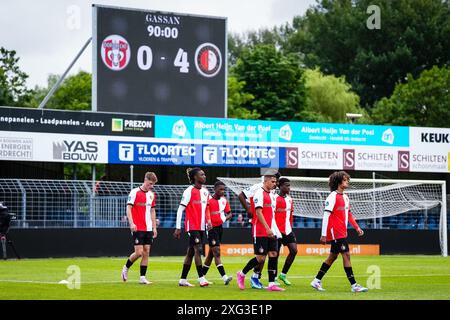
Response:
column 28, row 281
column 56, row 282
column 156, row 259
column 383, row 276
column 88, row 282
column 217, row 279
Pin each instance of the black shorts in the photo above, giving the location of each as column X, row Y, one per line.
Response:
column 339, row 246
column 286, row 239
column 195, row 237
column 215, row 236
column 262, row 245
column 141, row 238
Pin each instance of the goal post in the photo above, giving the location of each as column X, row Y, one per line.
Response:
column 369, row 198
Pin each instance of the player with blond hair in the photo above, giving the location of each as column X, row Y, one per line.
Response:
column 141, row 215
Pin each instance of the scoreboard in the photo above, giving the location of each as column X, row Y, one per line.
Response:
column 152, row 62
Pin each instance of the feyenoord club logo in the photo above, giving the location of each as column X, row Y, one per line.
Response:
column 115, row 52
column 208, row 59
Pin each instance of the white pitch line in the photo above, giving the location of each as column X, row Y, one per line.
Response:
column 28, row 281
column 57, row 282
column 382, row 276
column 219, row 279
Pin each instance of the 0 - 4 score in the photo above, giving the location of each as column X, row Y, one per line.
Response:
column 145, row 59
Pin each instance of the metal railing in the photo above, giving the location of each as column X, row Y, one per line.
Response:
column 74, row 204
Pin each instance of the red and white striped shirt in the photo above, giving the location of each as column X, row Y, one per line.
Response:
column 284, row 214
column 218, row 209
column 336, row 216
column 196, row 202
column 142, row 202
column 266, row 201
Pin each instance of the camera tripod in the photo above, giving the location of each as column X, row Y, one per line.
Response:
column 5, row 241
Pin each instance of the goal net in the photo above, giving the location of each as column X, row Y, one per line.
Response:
column 369, row 198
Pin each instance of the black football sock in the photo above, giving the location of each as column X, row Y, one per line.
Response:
column 350, row 276
column 129, row 264
column 199, row 271
column 323, row 269
column 287, row 264
column 221, row 269
column 143, row 270
column 250, row 265
column 205, row 269
column 184, row 273
column 272, row 268
column 258, row 270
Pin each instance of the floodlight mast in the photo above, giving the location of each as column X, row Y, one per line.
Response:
column 60, row 80
column 353, row 116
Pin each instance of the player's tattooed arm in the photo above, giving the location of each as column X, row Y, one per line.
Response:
column 243, row 201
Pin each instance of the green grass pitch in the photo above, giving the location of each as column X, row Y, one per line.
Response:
column 401, row 277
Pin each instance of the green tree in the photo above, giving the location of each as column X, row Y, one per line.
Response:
column 276, row 36
column 329, row 98
column 13, row 90
column 274, row 79
column 414, row 36
column 424, row 101
column 73, row 94
column 236, row 44
column 237, row 98
column 83, row 171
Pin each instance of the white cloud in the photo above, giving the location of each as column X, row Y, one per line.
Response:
column 284, row 10
column 42, row 32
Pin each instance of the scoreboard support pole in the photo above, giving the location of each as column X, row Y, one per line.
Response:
column 60, row 80
column 131, row 177
column 91, row 212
